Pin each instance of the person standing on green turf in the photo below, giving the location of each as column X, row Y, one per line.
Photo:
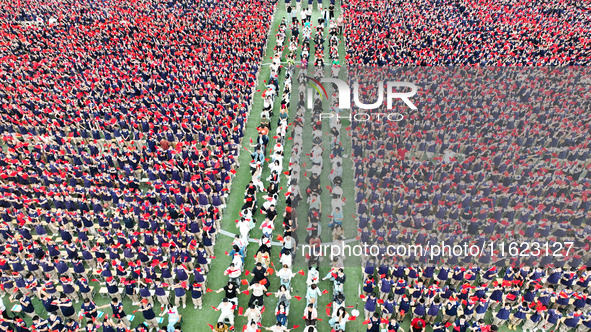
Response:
column 149, row 316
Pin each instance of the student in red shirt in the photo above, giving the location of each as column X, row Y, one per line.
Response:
column 417, row 325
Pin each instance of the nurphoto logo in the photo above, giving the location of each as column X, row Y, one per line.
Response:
column 344, row 98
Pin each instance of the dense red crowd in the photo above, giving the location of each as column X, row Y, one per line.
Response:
column 485, row 33
column 492, row 158
column 121, row 123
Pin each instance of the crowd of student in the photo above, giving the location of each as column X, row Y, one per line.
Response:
column 491, row 158
column 468, row 167
column 259, row 285
column 121, row 125
column 310, row 139
column 527, row 298
column 259, row 210
column 482, row 33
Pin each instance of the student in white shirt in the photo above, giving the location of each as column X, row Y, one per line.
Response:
column 226, row 309
column 253, row 314
column 244, row 228
column 277, row 328
column 285, row 275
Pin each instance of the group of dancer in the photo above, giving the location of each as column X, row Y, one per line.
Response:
column 468, row 168
column 122, row 124
column 267, row 154
column 466, row 33
column 121, row 127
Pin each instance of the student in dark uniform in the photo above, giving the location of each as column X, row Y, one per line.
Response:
column 571, row 321
column 20, row 325
column 403, row 308
column 393, row 326
column 180, row 293
column 118, row 312
column 48, row 303
column 72, row 326
column 196, row 295
column 113, row 288
column 450, row 311
column 502, row 315
column 66, row 307
column 27, row 305
column 370, row 305
column 146, row 294
column 160, row 292
column 374, row 323
column 39, row 325
column 433, row 311
column 107, row 325
column 461, row 325
column 439, row 327
column 149, row 316
column 90, row 327
column 518, row 316
column 54, row 322
column 89, row 310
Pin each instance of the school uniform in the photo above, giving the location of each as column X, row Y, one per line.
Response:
column 585, row 324
column 196, row 294
column 160, row 293
column 518, row 316
column 118, row 312
column 461, row 326
column 89, row 310
column 150, row 316
column 180, row 294
column 27, row 305
column 502, row 316
column 570, row 322
column 403, row 308
column 432, row 313
column 370, row 306
column 388, row 308
column 450, row 311
column 532, row 321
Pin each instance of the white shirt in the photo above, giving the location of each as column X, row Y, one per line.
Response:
column 277, row 168
column 285, row 274
column 285, row 260
column 267, row 227
column 237, row 260
column 337, row 191
column 243, row 228
column 257, row 289
column 225, row 308
column 340, row 319
column 316, row 169
column 335, row 160
column 247, row 214
column 234, row 272
column 239, row 242
column 312, row 277
column 251, row 328
column 278, row 148
column 253, row 314
column 316, row 151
